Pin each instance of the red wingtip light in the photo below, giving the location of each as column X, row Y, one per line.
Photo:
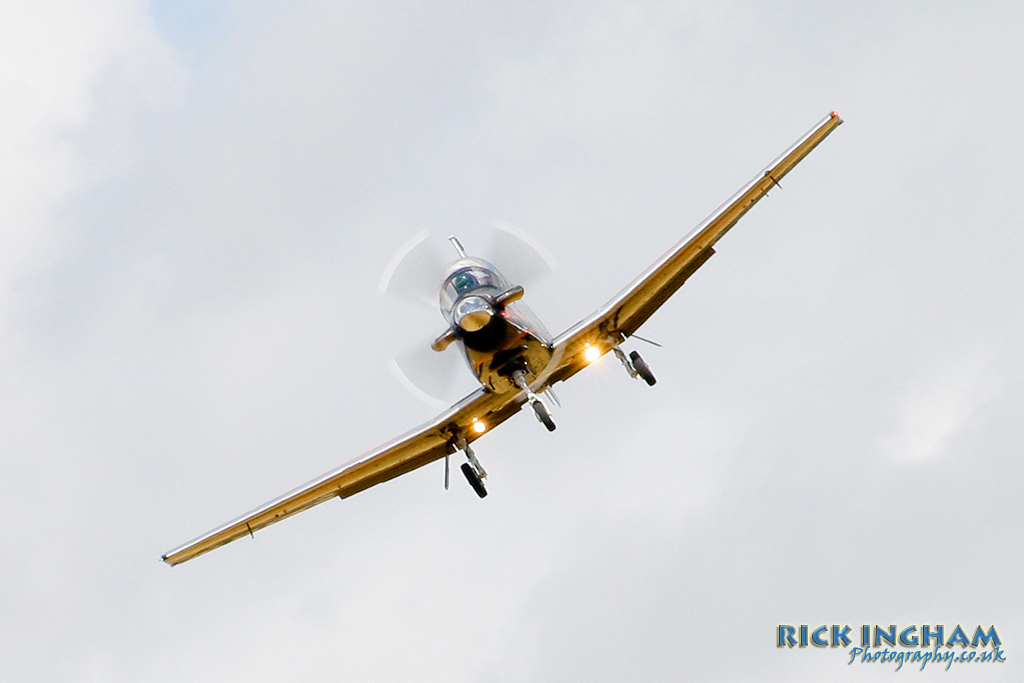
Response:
column 835, row 114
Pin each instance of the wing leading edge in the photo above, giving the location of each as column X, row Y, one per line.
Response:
column 625, row 313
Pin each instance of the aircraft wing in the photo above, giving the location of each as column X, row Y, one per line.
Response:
column 624, row 314
column 423, row 445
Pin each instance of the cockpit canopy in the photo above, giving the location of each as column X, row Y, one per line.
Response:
column 470, row 275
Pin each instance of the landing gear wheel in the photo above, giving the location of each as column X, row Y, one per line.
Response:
column 474, row 480
column 541, row 411
column 642, row 368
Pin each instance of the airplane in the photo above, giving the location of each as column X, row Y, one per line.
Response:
column 515, row 360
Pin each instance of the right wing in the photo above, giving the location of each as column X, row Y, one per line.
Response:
column 624, row 314
column 423, row 445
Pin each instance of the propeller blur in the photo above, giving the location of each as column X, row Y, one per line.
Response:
column 412, row 276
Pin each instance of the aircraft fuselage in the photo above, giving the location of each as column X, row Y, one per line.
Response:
column 498, row 334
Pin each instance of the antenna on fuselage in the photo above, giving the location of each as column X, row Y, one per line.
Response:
column 458, row 245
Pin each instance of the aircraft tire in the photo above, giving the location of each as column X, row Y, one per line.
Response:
column 474, row 480
column 642, row 369
column 541, row 411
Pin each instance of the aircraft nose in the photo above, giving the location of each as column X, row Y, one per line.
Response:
column 473, row 313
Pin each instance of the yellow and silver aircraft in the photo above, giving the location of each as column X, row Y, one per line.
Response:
column 514, row 358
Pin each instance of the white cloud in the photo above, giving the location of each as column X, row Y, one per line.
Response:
column 939, row 407
column 60, row 63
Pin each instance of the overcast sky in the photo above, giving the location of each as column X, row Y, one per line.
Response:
column 197, row 201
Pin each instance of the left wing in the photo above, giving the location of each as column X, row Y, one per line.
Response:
column 624, row 314
column 423, row 445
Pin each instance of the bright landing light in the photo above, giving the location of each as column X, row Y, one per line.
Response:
column 479, row 427
column 592, row 353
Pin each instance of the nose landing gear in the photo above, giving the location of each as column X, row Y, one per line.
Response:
column 539, row 409
column 544, row 415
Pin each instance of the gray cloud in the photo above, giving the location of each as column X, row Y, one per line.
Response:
column 194, row 328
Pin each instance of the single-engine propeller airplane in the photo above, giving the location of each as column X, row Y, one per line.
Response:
column 514, row 358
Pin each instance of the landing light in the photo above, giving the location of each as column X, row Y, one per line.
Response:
column 478, row 426
column 592, row 353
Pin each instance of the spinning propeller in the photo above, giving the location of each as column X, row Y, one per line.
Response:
column 412, row 281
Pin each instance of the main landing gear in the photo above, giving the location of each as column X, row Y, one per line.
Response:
column 474, row 471
column 635, row 365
